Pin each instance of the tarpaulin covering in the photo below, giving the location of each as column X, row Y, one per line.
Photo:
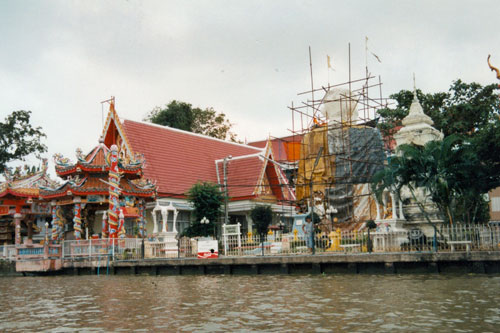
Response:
column 342, row 176
column 358, row 154
column 323, row 174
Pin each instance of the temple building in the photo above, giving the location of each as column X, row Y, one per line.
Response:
column 103, row 195
column 22, row 211
column 177, row 159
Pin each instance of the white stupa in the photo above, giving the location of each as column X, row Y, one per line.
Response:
column 417, row 126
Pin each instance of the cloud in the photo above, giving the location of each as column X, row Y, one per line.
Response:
column 248, row 59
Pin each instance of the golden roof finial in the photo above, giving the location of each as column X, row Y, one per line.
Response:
column 493, row 68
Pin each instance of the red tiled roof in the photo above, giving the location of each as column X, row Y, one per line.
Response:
column 243, row 175
column 178, row 159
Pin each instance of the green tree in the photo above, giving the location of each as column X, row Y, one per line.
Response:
column 18, row 138
column 465, row 109
column 470, row 111
column 262, row 216
column 175, row 114
column 449, row 171
column 183, row 116
column 206, row 199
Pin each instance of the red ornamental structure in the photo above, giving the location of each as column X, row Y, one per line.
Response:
column 20, row 204
column 114, row 192
column 98, row 184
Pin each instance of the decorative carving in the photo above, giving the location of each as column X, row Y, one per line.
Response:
column 79, row 155
column 493, row 69
column 60, row 160
column 114, row 191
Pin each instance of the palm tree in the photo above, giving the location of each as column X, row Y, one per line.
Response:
column 438, row 168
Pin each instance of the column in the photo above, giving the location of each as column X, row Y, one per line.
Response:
column 155, row 222
column 164, row 217
column 17, row 223
column 105, row 226
column 175, row 219
column 401, row 215
column 142, row 219
column 114, row 188
column 377, row 206
column 60, row 224
column 121, row 223
column 55, row 232
column 77, row 218
column 394, row 211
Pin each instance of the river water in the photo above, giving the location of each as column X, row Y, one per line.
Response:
column 321, row 303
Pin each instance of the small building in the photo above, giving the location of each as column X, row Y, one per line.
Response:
column 102, row 195
column 22, row 211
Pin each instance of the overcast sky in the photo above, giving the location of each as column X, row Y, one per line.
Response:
column 248, row 59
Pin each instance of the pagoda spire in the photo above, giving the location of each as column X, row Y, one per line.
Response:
column 417, row 126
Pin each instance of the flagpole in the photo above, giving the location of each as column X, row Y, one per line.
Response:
column 366, row 55
column 328, row 69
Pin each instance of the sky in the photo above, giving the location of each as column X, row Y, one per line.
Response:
column 247, row 59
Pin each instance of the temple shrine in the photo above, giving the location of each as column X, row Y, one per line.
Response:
column 22, row 211
column 103, row 195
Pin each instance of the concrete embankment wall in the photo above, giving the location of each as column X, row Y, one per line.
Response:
column 8, row 268
column 397, row 263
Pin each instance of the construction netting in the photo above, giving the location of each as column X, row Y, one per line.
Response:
column 343, row 174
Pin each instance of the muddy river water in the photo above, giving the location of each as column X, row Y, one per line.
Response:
column 312, row 303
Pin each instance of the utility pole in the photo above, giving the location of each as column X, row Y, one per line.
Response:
column 318, row 156
column 224, row 165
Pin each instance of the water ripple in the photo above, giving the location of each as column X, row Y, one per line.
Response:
column 361, row 303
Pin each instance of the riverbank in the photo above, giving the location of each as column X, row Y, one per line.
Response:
column 8, row 268
column 359, row 263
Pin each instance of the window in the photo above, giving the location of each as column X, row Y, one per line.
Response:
column 495, row 204
column 129, row 226
column 183, row 220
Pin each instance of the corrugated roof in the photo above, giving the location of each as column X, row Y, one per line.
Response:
column 178, row 159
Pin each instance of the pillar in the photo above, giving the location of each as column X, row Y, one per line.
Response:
column 77, row 218
column 142, row 219
column 121, row 223
column 105, row 226
column 155, row 222
column 29, row 225
column 377, row 206
column 401, row 215
column 54, row 223
column 47, row 239
column 164, row 218
column 60, row 223
column 114, row 188
column 176, row 212
column 17, row 223
column 394, row 211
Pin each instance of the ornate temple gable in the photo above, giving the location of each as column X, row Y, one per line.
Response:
column 272, row 181
column 262, row 186
column 113, row 133
column 27, row 182
column 88, row 176
column 96, row 162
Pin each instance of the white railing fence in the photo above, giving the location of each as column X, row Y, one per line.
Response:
column 444, row 239
column 8, row 252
